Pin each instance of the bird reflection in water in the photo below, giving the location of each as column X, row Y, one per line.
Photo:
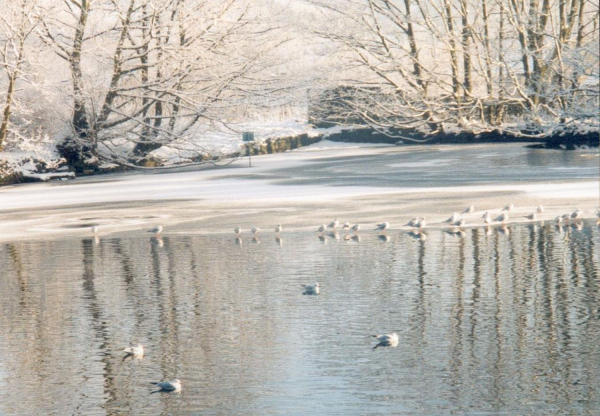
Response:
column 455, row 232
column 323, row 239
column 384, row 238
column 157, row 241
column 418, row 235
column 335, row 235
column 239, row 241
column 504, row 230
column 255, row 240
column 279, row 241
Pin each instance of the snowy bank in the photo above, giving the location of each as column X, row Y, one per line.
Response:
column 359, row 183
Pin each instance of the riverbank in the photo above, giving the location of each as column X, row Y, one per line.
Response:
column 303, row 189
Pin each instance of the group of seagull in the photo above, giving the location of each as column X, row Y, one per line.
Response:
column 333, row 225
column 255, row 230
column 456, row 221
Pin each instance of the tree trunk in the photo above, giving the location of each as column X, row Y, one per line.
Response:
column 80, row 117
column 7, row 109
column 466, row 46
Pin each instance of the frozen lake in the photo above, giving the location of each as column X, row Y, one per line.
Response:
column 303, row 188
column 491, row 322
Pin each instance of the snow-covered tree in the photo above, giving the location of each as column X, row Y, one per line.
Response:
column 145, row 73
column 17, row 24
column 427, row 64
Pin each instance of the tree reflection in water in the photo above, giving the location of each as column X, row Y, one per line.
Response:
column 494, row 319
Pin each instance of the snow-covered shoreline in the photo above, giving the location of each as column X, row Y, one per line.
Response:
column 215, row 200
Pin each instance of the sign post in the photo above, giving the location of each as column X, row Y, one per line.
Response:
column 248, row 136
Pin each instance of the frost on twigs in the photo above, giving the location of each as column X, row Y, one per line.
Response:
column 29, row 157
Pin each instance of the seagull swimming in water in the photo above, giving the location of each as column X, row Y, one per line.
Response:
column 311, row 289
column 387, row 340
column 383, row 226
column 173, row 385
column 333, row 223
column 137, row 351
column 156, row 230
column 469, row 210
column 453, row 218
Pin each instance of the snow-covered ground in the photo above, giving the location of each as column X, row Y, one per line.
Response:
column 228, row 139
column 297, row 189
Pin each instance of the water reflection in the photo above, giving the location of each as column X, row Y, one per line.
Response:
column 501, row 320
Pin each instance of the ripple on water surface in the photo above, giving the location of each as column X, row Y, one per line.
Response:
column 505, row 323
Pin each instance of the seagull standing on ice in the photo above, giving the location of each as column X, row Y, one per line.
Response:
column 539, row 209
column 487, row 218
column 255, row 230
column 509, row 207
column 421, row 223
column 413, row 223
column 156, row 230
column 356, row 228
column 322, row 228
column 333, row 223
column 238, row 230
column 346, row 226
column 502, row 217
column 173, row 385
column 137, row 351
column 469, row 210
column 577, row 214
column 459, row 223
column 383, row 226
column 387, row 340
column 311, row 289
column 95, row 229
column 531, row 216
column 278, row 229
column 453, row 218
